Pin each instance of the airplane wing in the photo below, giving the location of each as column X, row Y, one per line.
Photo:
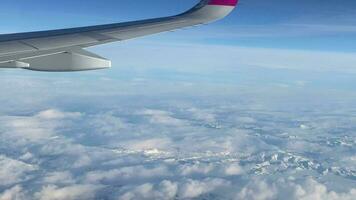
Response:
column 63, row 50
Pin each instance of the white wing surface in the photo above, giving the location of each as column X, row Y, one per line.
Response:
column 63, row 50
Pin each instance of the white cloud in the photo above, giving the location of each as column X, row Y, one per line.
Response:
column 194, row 188
column 258, row 190
column 198, row 168
column 14, row 171
column 162, row 117
column 312, row 190
column 233, row 169
column 166, row 190
column 64, row 177
column 204, row 115
column 74, row 192
column 211, row 169
column 242, row 141
column 144, row 191
column 128, row 173
column 108, row 124
column 83, row 160
column 53, row 114
column 73, row 155
column 148, row 144
column 187, row 189
column 22, row 130
column 287, row 189
column 14, row 193
column 304, row 127
column 27, row 156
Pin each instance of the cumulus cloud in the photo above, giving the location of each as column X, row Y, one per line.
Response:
column 199, row 169
column 69, row 153
column 22, row 130
column 194, row 188
column 196, row 169
column 64, row 177
column 128, row 173
column 259, row 190
column 14, row 171
column 286, row 189
column 166, row 190
column 108, row 124
column 161, row 117
column 242, row 140
column 74, row 192
column 27, row 156
column 36, row 128
column 14, row 193
column 233, row 169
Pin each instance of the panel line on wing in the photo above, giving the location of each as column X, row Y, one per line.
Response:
column 98, row 36
column 23, row 42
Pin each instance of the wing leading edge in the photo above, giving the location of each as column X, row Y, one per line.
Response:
column 62, row 50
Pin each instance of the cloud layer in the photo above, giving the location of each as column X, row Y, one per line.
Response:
column 269, row 134
column 182, row 152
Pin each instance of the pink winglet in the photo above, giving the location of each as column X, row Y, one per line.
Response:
column 224, row 2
